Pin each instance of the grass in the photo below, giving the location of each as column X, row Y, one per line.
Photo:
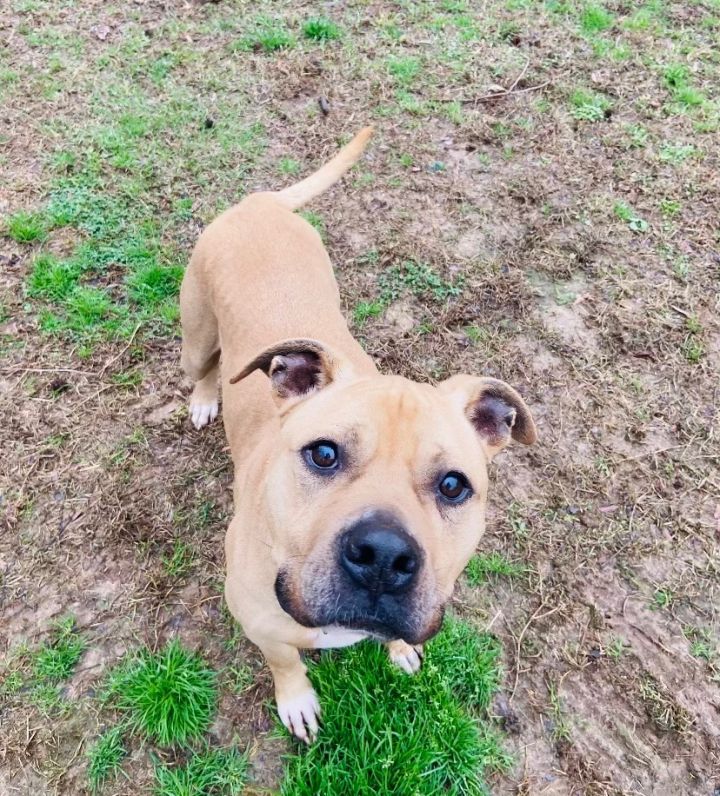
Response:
column 589, row 106
column 386, row 733
column 168, row 696
column 268, row 36
column 105, row 757
column 25, row 227
column 210, row 772
column 627, row 214
column 481, row 567
column 595, row 19
column 420, row 279
column 321, row 29
column 56, row 660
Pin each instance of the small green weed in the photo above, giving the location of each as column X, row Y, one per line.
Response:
column 677, row 80
column 670, row 207
column 180, row 561
column 152, row 284
column 702, row 644
column 638, row 135
column 321, row 29
column 378, row 721
column 404, row 70
column 105, row 757
column 365, row 310
column 56, row 660
column 662, row 598
column 627, row 214
column 25, row 227
column 595, row 19
column 481, row 567
column 560, row 726
column 288, row 166
column 588, row 106
column 315, row 220
column 268, row 36
column 617, row 648
column 51, row 278
column 420, row 279
column 676, row 153
column 169, row 696
column 212, row 772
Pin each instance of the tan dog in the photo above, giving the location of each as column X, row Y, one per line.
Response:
column 359, row 497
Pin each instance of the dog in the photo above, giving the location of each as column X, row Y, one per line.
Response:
column 359, row 497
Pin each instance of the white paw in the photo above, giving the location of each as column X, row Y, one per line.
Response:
column 300, row 715
column 202, row 414
column 407, row 658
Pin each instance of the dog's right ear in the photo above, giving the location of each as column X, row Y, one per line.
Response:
column 296, row 368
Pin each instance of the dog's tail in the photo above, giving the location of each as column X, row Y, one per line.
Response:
column 302, row 192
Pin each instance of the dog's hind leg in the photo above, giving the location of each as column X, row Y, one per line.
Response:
column 200, row 349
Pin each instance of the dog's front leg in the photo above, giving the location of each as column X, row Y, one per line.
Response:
column 297, row 702
column 405, row 656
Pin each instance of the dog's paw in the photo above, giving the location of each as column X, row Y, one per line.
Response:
column 405, row 656
column 202, row 414
column 300, row 715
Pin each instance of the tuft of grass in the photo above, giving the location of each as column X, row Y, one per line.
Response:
column 595, row 19
column 420, row 279
column 169, row 696
column 404, row 70
column 481, row 566
column 365, row 310
column 51, row 278
column 268, row 35
column 378, row 721
column 627, row 214
column 212, row 772
column 25, row 227
column 105, row 757
column 180, row 561
column 321, row 29
column 56, row 660
column 153, row 284
column 588, row 106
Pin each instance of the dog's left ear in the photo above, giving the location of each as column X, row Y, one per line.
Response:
column 494, row 408
column 296, row 368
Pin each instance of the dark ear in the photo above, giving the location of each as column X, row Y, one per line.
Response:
column 495, row 409
column 296, row 368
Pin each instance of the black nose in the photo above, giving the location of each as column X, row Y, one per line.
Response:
column 380, row 557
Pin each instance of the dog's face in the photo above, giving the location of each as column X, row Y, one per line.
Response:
column 377, row 487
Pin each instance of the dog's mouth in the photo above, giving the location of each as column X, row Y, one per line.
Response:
column 385, row 618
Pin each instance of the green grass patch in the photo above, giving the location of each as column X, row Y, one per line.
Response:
column 25, row 227
column 404, row 70
column 386, row 733
column 588, row 106
column 267, row 35
column 625, row 213
column 595, row 19
column 321, row 29
column 105, row 757
column 56, row 660
column 419, row 279
column 481, row 567
column 169, row 696
column 211, row 772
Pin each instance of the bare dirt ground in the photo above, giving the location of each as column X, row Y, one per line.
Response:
column 587, row 249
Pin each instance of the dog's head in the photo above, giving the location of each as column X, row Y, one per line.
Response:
column 376, row 487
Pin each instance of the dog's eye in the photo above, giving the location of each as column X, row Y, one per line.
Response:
column 454, row 487
column 322, row 455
